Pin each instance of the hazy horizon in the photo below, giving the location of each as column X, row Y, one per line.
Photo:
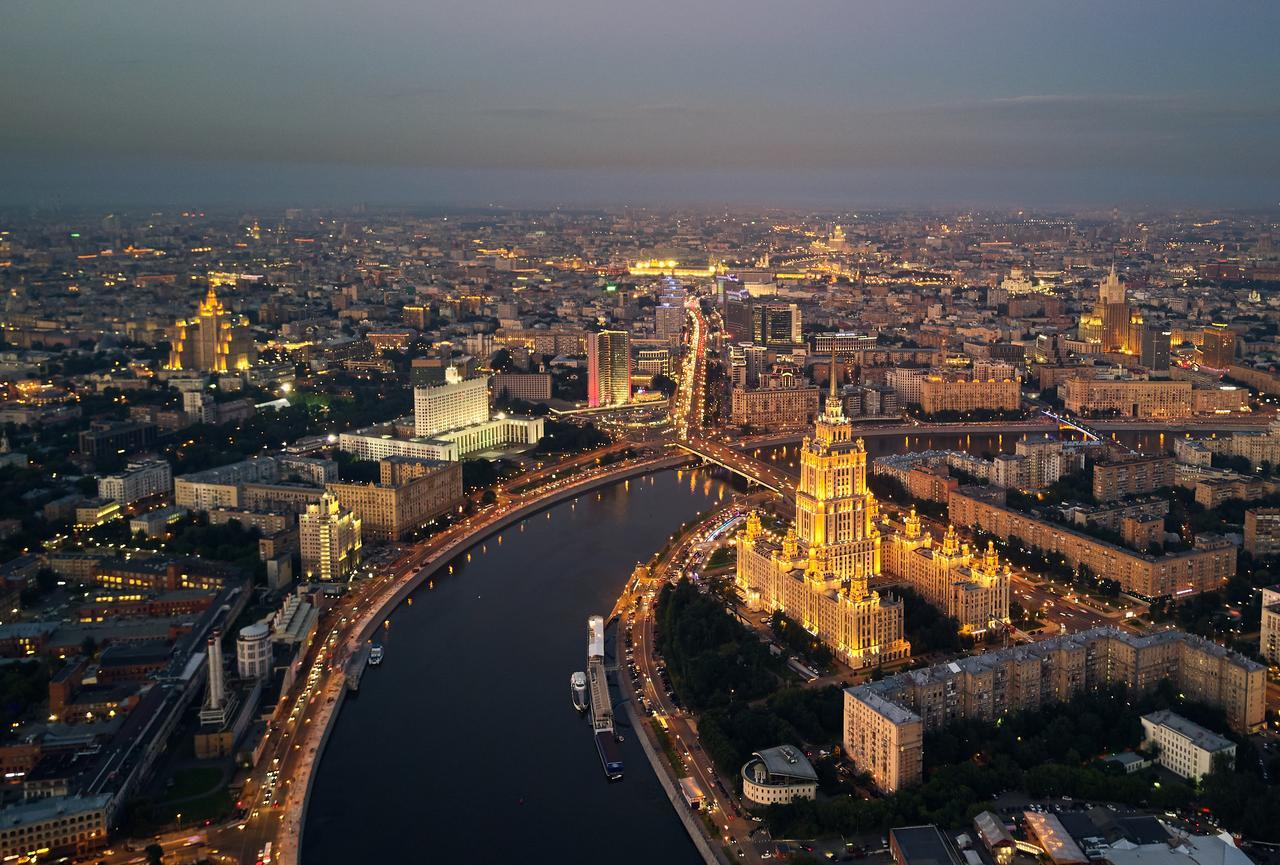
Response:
column 828, row 102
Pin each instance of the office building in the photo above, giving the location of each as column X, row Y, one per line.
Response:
column 1185, row 748
column 1156, row 340
column 608, row 368
column 1217, row 347
column 885, row 721
column 138, row 481
column 215, row 340
column 818, row 573
column 921, row 845
column 653, row 361
column 330, row 539
column 455, row 404
column 528, row 386
column 1112, row 325
column 776, row 325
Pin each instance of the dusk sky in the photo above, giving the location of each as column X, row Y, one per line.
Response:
column 832, row 102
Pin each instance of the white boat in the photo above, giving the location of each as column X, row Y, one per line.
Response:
column 578, row 687
column 375, row 654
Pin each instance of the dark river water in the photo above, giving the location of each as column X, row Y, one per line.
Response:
column 463, row 745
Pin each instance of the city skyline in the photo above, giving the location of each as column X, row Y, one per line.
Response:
column 991, row 103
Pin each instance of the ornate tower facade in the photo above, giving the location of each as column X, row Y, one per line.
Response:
column 835, row 512
column 818, row 570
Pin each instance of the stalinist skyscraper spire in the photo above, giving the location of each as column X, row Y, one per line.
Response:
column 819, row 573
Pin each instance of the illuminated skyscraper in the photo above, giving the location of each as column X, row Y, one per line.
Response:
column 1113, row 323
column 1217, row 347
column 215, row 340
column 776, row 325
column 818, row 572
column 330, row 539
column 608, row 368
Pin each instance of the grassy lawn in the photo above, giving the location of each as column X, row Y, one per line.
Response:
column 192, row 781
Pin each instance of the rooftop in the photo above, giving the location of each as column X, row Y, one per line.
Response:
column 1190, row 730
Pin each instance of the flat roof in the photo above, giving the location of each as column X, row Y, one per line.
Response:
column 1199, row 736
column 922, row 845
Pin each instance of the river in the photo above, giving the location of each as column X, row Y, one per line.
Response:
column 463, row 745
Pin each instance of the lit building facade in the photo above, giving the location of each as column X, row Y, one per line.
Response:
column 1112, row 325
column 1127, row 397
column 1204, row 567
column 942, row 394
column 885, row 721
column 330, row 539
column 455, row 404
column 818, row 573
column 608, row 368
column 960, row 582
column 215, row 340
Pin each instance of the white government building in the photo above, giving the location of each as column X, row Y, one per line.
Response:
column 450, row 421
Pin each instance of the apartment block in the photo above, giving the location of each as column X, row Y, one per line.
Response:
column 1208, row 565
column 884, row 721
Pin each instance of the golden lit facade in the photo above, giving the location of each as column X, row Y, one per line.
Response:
column 818, row 573
column 215, row 340
column 955, row 578
column 1112, row 323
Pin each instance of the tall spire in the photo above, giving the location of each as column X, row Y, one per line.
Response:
column 832, row 383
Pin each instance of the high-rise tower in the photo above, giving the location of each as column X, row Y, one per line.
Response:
column 819, row 571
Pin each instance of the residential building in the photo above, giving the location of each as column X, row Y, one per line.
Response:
column 1119, row 475
column 1185, row 748
column 330, row 539
column 1262, row 531
column 1207, row 566
column 774, row 407
column 885, row 721
column 138, row 481
column 1127, row 397
column 945, row 394
column 215, row 340
column 72, row 825
column 1269, row 644
column 410, row 494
